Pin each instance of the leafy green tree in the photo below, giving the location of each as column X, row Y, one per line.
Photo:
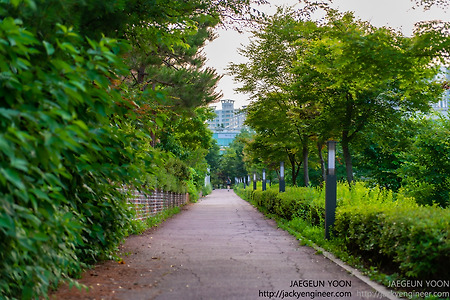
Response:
column 188, row 138
column 380, row 150
column 351, row 57
column 425, row 168
column 337, row 84
column 232, row 163
column 213, row 159
column 276, row 139
column 282, row 119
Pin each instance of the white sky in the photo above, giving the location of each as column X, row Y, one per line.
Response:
column 394, row 13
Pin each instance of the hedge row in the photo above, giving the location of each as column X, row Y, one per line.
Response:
column 416, row 240
column 296, row 202
column 383, row 228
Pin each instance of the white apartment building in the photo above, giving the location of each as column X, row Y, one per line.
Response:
column 228, row 122
column 228, row 117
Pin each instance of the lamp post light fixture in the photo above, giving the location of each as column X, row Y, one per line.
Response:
column 254, row 181
column 330, row 190
column 331, row 157
column 264, row 180
column 282, row 186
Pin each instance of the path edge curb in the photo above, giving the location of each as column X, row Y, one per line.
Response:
column 385, row 292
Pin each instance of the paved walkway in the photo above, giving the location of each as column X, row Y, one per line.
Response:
column 223, row 248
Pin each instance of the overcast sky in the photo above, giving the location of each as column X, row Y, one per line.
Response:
column 394, row 13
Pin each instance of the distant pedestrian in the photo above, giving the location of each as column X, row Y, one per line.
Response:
column 228, row 183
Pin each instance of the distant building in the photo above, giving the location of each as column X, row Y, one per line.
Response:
column 228, row 123
column 443, row 104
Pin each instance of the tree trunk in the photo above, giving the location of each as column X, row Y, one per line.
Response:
column 141, row 74
column 322, row 161
column 305, row 163
column 346, row 138
column 294, row 168
column 293, row 173
column 294, row 177
column 347, row 157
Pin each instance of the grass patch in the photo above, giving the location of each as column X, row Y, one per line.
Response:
column 139, row 226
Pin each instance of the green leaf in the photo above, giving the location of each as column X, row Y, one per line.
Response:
column 40, row 236
column 40, row 194
column 49, row 48
column 7, row 222
column 5, row 147
column 68, row 47
column 100, row 108
column 9, row 113
column 13, row 177
column 159, row 122
column 15, row 3
column 61, row 65
column 19, row 164
column 78, row 84
column 34, row 220
column 25, row 242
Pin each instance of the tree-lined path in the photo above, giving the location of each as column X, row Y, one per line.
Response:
column 219, row 248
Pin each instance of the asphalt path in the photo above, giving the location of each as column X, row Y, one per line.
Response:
column 223, row 248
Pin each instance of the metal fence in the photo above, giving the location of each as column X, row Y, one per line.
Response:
column 148, row 205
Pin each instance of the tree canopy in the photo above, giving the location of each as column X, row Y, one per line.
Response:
column 336, row 78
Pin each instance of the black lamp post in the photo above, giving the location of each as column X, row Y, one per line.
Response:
column 254, row 181
column 330, row 190
column 264, row 180
column 282, row 186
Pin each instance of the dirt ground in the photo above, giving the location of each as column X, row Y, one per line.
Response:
column 109, row 278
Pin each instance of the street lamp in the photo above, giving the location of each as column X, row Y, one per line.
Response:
column 254, row 181
column 264, row 180
column 282, row 186
column 330, row 189
column 331, row 157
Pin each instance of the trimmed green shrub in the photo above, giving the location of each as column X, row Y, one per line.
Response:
column 303, row 202
column 416, row 240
